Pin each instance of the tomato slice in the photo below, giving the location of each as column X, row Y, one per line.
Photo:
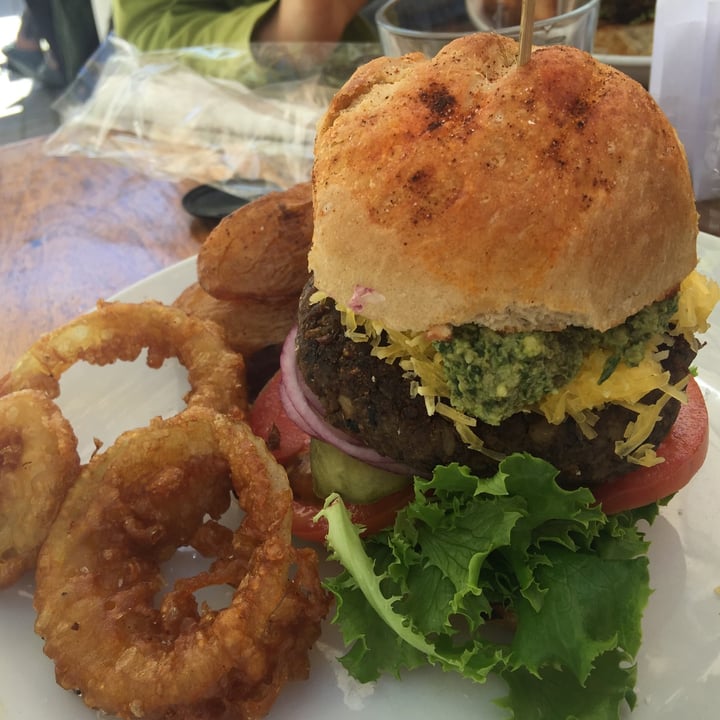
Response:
column 684, row 450
column 288, row 443
column 374, row 517
column 269, row 421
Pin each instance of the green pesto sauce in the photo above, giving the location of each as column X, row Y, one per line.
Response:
column 493, row 375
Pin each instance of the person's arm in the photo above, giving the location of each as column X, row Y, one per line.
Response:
column 174, row 24
column 307, row 20
column 160, row 24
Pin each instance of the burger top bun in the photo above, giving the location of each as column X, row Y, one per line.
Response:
column 465, row 188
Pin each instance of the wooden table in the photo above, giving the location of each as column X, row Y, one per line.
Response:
column 74, row 230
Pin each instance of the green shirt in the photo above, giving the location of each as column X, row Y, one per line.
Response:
column 164, row 24
column 152, row 25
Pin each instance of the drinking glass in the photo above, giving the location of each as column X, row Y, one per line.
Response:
column 427, row 25
column 557, row 22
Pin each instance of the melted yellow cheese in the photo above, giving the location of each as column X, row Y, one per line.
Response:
column 698, row 296
column 580, row 398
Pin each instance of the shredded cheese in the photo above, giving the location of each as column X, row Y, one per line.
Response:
column 698, row 296
column 578, row 399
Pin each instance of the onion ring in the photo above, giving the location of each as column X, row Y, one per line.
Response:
column 38, row 463
column 99, row 571
column 119, row 331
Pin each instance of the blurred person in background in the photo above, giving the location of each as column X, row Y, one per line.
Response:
column 160, row 24
column 26, row 55
column 285, row 39
column 54, row 40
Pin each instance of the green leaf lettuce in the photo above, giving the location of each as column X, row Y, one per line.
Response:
column 471, row 556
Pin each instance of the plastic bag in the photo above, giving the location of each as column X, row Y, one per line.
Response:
column 177, row 114
column 685, row 81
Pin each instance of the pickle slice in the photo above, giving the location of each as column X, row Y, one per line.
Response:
column 354, row 480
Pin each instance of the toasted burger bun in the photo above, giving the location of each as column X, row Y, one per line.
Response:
column 465, row 188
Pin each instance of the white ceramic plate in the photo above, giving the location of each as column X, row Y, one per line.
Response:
column 679, row 664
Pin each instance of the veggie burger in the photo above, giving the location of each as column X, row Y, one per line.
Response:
column 503, row 260
column 493, row 360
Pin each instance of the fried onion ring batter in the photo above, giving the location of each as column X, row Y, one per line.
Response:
column 38, row 463
column 120, row 331
column 133, row 654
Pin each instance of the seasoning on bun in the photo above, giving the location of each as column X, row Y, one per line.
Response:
column 467, row 189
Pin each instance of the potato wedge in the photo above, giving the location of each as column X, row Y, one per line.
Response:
column 250, row 324
column 260, row 250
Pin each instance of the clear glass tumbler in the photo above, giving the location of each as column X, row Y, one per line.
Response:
column 427, row 25
column 557, row 22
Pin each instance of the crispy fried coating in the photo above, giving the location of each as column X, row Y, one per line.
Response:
column 250, row 324
column 38, row 463
column 119, row 331
column 260, row 250
column 134, row 653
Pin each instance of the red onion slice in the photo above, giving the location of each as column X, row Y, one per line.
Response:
column 305, row 413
